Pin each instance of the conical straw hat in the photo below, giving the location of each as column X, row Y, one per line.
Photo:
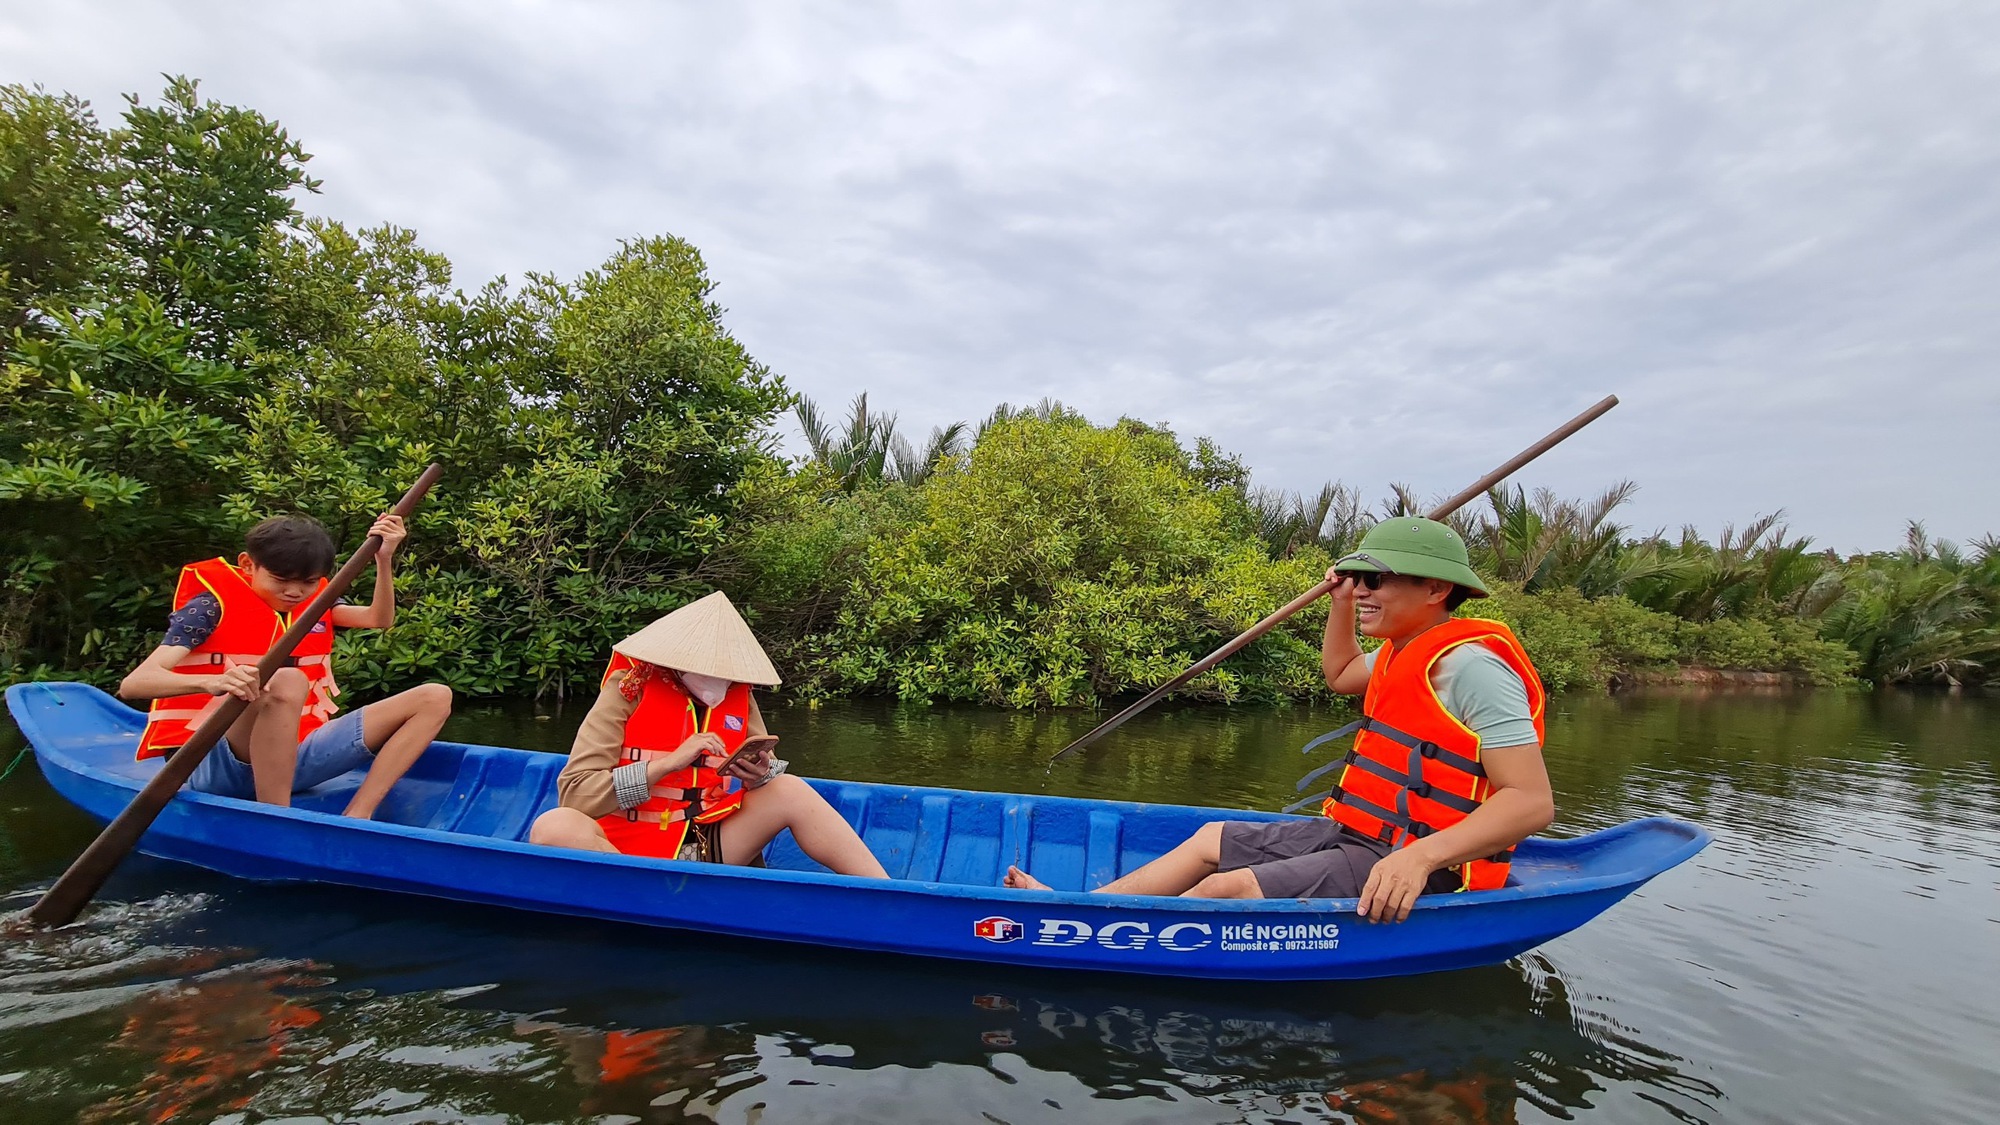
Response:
column 706, row 636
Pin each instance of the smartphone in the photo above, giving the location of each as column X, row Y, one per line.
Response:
column 750, row 747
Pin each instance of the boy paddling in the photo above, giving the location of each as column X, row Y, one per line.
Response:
column 226, row 616
column 1445, row 776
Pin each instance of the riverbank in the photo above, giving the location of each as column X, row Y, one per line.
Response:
column 1711, row 679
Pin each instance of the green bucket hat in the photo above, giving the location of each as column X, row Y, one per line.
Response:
column 1417, row 547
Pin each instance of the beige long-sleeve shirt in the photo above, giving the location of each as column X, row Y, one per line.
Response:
column 585, row 783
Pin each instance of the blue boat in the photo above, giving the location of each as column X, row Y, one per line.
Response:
column 455, row 828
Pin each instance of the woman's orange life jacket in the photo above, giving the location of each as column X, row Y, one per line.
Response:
column 1415, row 769
column 665, row 717
column 247, row 630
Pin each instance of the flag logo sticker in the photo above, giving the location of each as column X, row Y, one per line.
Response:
column 998, row 929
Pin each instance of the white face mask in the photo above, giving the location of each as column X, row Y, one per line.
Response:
column 708, row 689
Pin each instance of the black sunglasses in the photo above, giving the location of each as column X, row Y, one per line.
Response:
column 1372, row 579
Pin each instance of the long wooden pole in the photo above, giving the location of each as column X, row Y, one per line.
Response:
column 1324, row 588
column 78, row 885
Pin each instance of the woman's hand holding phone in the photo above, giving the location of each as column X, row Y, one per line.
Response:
column 752, row 761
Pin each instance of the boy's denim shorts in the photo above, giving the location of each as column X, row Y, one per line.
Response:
column 326, row 753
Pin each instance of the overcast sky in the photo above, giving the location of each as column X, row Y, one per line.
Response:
column 1371, row 241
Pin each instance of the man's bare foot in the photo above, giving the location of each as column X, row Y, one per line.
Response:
column 1022, row 881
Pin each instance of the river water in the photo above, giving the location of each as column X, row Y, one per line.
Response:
column 1833, row 957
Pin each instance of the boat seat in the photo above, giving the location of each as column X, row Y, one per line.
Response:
column 969, row 839
column 497, row 793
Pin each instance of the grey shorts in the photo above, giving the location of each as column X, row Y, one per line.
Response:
column 326, row 753
column 1308, row 857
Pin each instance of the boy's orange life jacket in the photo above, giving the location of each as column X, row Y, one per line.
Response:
column 664, row 718
column 633, row 1054
column 1415, row 769
column 248, row 629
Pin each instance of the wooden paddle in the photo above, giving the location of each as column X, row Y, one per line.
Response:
column 1324, row 588
column 60, row 905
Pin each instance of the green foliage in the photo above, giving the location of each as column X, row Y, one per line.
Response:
column 1550, row 542
column 1565, row 633
column 217, row 360
column 57, row 198
column 598, row 433
column 205, row 187
column 185, row 353
column 1591, row 642
column 799, row 547
column 1927, row 613
column 1063, row 563
column 1783, row 644
column 868, row 450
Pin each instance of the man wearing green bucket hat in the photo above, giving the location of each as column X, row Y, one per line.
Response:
column 1445, row 775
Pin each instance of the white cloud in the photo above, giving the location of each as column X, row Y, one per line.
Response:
column 1382, row 241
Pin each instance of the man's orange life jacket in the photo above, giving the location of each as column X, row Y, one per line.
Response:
column 664, row 718
column 1414, row 769
column 248, row 629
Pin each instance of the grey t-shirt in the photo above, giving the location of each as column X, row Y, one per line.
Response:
column 1479, row 690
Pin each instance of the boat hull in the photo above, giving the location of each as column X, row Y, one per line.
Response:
column 455, row 829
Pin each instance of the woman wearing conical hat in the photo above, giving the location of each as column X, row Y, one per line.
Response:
column 660, row 767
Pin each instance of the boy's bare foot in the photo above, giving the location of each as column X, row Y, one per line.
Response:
column 1022, row 881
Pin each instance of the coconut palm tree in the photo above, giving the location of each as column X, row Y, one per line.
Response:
column 946, row 443
column 1288, row 522
column 854, row 455
column 1547, row 541
column 1922, row 614
column 868, row 450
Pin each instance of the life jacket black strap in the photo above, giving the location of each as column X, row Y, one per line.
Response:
column 1408, row 780
column 1336, row 764
column 1424, row 747
column 1343, row 732
column 1382, row 770
column 1390, row 818
column 1449, row 800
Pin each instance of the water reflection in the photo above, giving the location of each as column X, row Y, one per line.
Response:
column 1832, row 958
column 352, row 1006
column 203, row 1039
